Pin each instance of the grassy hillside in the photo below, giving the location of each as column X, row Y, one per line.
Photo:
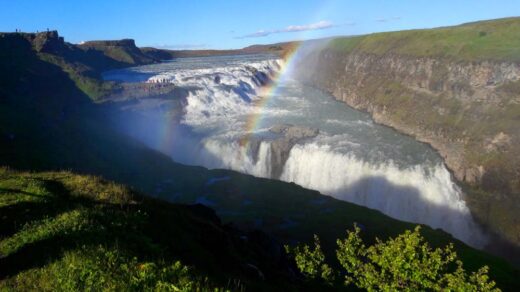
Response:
column 497, row 40
column 62, row 231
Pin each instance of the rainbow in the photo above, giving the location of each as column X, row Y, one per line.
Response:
column 254, row 120
column 167, row 132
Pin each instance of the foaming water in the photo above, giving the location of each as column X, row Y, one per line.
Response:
column 418, row 193
column 351, row 158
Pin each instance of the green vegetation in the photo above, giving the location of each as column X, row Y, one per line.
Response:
column 497, row 40
column 311, row 263
column 404, row 263
column 99, row 269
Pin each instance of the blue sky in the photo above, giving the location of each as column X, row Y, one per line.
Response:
column 233, row 24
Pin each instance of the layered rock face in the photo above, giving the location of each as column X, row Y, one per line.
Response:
column 468, row 111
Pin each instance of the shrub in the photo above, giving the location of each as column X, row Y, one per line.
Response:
column 311, row 262
column 403, row 263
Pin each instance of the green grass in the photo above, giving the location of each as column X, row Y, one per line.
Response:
column 497, row 40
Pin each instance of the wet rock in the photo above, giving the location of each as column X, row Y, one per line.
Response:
column 281, row 147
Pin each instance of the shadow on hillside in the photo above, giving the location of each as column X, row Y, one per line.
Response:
column 39, row 253
column 16, row 216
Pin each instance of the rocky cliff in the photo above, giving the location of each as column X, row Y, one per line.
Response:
column 464, row 104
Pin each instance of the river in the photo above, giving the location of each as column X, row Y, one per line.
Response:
column 241, row 113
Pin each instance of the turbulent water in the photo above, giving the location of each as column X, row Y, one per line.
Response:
column 346, row 156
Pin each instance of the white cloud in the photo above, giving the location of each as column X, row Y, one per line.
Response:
column 291, row 28
column 180, row 46
column 388, row 19
column 260, row 33
column 313, row 26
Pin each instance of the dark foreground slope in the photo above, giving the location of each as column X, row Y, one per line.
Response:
column 48, row 123
column 62, row 231
column 456, row 88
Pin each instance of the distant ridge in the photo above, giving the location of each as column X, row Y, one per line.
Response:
column 163, row 54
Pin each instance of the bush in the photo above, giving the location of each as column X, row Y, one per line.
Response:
column 402, row 263
column 311, row 262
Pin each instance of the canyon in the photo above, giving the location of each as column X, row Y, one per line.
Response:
column 467, row 107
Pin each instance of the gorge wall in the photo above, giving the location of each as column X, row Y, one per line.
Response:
column 467, row 110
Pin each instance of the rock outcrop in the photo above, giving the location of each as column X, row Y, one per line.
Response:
column 124, row 51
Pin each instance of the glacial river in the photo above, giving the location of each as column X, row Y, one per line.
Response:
column 229, row 111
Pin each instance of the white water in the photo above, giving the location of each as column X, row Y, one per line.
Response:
column 352, row 158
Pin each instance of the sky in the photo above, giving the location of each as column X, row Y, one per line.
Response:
column 185, row 24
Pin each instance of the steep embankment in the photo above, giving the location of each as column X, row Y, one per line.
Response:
column 456, row 88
